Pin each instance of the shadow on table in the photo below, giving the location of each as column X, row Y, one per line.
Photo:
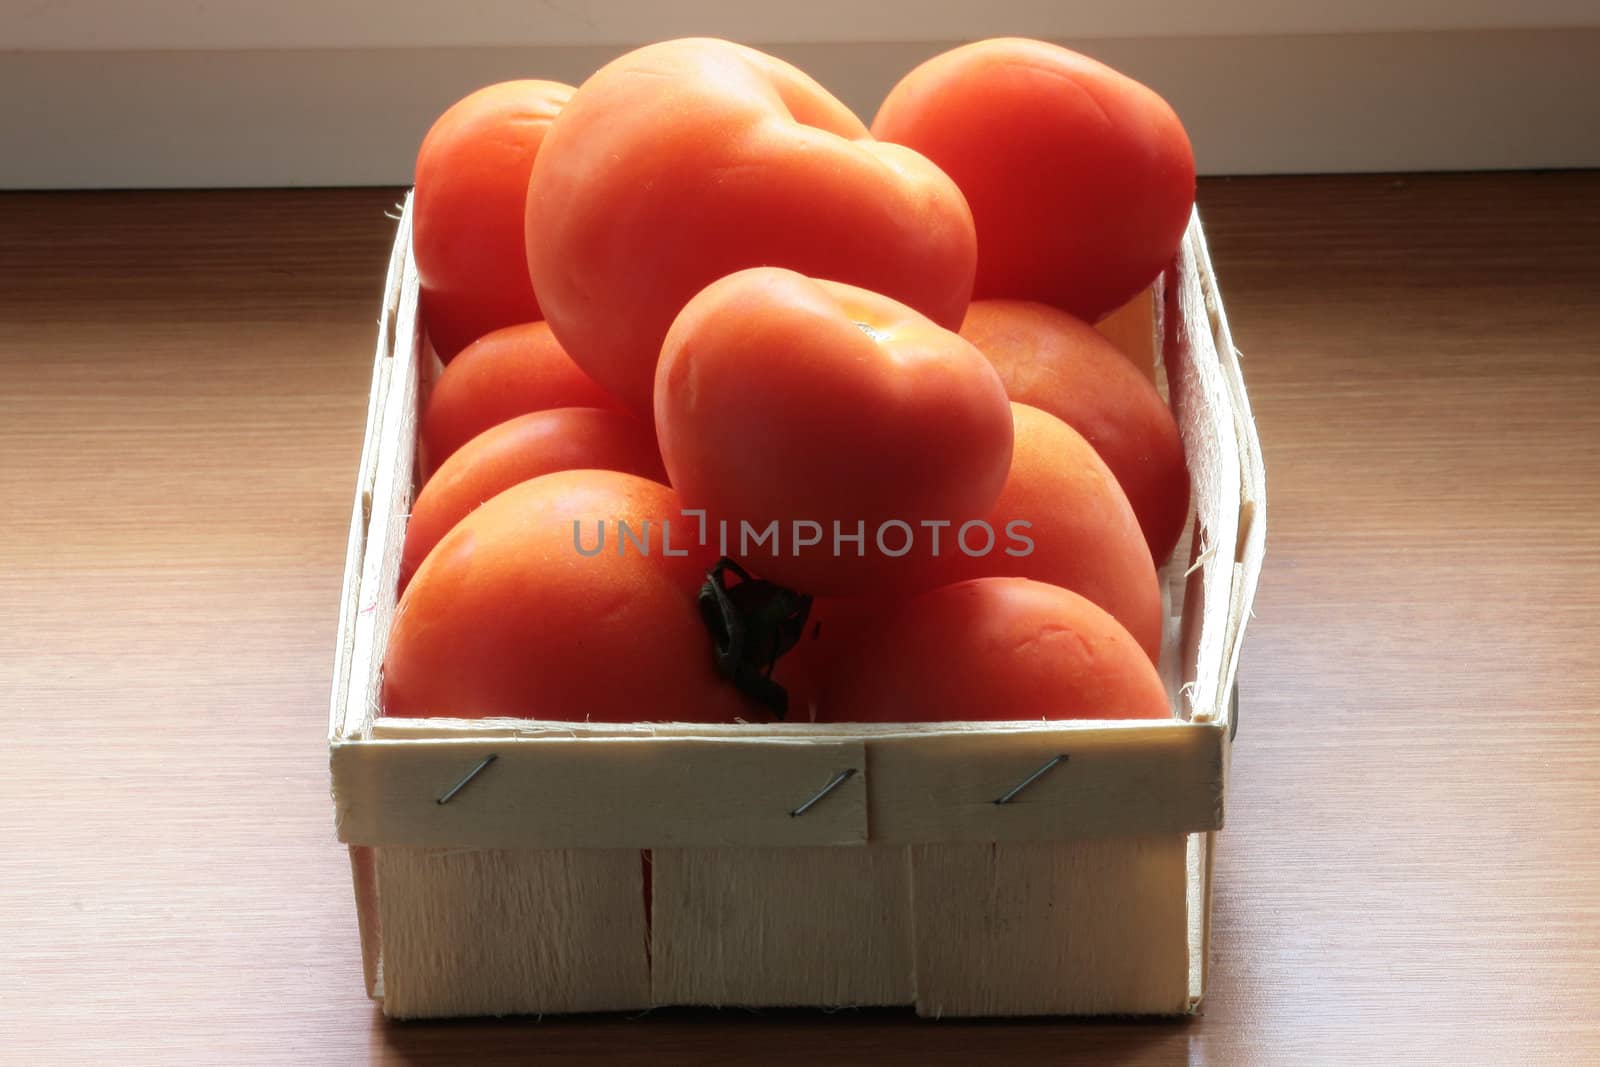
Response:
column 878, row 1036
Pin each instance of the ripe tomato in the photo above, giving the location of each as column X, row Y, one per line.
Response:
column 993, row 648
column 507, row 617
column 501, row 375
column 780, row 399
column 471, row 185
column 1062, row 365
column 1083, row 532
column 561, row 439
column 685, row 161
column 833, row 624
column 1080, row 179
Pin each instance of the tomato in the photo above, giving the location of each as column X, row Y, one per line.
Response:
column 1080, row 179
column 992, row 648
column 833, row 623
column 1081, row 531
column 782, row 401
column 543, row 442
column 507, row 617
column 685, row 161
column 510, row 372
column 1062, row 365
column 471, row 186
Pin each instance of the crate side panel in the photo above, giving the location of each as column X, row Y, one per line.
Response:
column 392, row 489
column 1202, row 402
column 1094, row 927
column 615, row 793
column 714, row 792
column 366, row 478
column 493, row 932
column 1201, row 862
column 364, row 876
column 1251, row 546
column 1099, row 783
column 775, row 927
column 399, row 729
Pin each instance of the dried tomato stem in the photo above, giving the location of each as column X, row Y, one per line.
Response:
column 752, row 622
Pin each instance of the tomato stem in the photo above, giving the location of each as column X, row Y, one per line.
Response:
column 752, row 623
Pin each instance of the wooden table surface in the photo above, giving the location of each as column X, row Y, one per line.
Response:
column 1411, row 866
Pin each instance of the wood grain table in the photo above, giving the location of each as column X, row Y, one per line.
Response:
column 1411, row 867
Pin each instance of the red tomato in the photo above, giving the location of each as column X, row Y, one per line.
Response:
column 1080, row 179
column 506, row 617
column 685, row 161
column 780, row 399
column 561, row 439
column 1083, row 532
column 832, row 624
column 993, row 648
column 472, row 184
column 1062, row 365
column 501, row 375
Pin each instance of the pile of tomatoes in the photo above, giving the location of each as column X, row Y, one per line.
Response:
column 751, row 412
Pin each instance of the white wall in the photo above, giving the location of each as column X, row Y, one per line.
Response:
column 75, row 25
column 211, row 93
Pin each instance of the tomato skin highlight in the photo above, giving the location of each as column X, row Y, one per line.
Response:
column 507, row 618
column 991, row 649
column 471, row 188
column 782, row 398
column 1081, row 180
column 505, row 373
column 527, row 446
column 1060, row 364
column 684, row 161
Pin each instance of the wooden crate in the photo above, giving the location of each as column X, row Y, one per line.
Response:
column 906, row 884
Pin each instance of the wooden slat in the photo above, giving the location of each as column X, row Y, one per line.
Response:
column 391, row 506
column 476, row 932
column 1202, row 879
column 1166, row 778
column 1174, row 594
column 364, row 877
column 1250, row 547
column 534, row 729
column 1202, row 402
column 626, row 793
column 1195, row 852
column 770, row 927
column 366, row 478
column 1068, row 928
column 634, row 792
